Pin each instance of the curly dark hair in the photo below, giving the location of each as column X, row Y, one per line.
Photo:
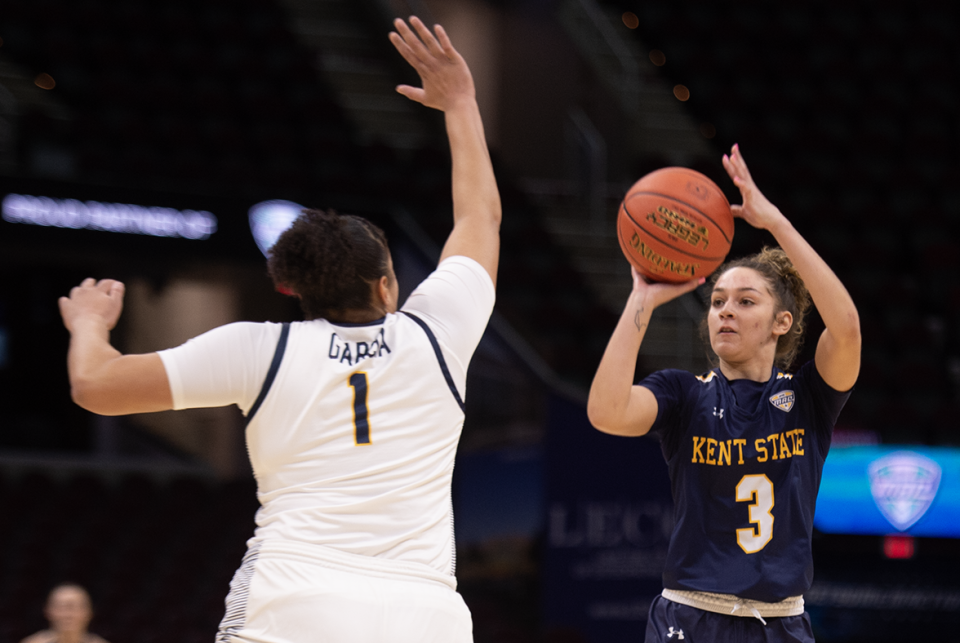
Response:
column 331, row 261
column 789, row 293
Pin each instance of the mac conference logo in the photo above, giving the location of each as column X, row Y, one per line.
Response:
column 904, row 485
column 269, row 219
column 783, row 400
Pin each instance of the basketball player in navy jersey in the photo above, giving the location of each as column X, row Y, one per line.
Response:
column 744, row 443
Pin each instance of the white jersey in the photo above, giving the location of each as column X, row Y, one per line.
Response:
column 354, row 442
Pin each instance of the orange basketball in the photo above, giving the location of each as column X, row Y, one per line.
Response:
column 675, row 225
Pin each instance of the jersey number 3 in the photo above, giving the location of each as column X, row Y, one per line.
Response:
column 361, row 424
column 757, row 490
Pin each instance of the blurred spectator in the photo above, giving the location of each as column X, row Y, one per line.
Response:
column 69, row 611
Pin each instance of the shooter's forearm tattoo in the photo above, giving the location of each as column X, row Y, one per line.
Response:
column 636, row 320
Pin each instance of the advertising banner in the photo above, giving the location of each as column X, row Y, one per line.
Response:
column 609, row 519
column 882, row 490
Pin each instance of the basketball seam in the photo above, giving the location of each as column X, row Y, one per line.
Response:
column 680, row 250
column 699, row 176
column 689, row 205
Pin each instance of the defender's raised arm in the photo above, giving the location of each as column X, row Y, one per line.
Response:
column 448, row 86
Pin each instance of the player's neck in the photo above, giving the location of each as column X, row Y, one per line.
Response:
column 757, row 370
column 357, row 316
column 71, row 637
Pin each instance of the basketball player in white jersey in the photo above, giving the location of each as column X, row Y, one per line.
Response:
column 353, row 415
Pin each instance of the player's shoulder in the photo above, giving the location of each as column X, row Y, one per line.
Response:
column 783, row 379
column 809, row 380
column 679, row 374
column 672, row 382
column 43, row 636
column 246, row 328
column 465, row 264
column 457, row 277
column 806, row 375
column 710, row 377
column 673, row 375
column 249, row 333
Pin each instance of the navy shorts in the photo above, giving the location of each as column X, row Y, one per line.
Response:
column 671, row 622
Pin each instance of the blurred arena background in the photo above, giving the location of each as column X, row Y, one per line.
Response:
column 135, row 137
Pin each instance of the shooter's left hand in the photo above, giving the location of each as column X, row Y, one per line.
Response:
column 757, row 210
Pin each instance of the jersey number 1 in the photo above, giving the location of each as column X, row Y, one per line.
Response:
column 758, row 489
column 361, row 425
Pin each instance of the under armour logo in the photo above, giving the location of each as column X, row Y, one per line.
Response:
column 672, row 631
column 716, row 414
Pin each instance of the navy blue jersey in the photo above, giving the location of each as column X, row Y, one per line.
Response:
column 745, row 460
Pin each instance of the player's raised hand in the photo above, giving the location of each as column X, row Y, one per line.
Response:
column 444, row 74
column 100, row 301
column 757, row 210
column 654, row 294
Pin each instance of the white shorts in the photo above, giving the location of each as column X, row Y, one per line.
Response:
column 297, row 593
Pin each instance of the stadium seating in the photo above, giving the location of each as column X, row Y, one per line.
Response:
column 220, row 97
column 156, row 553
